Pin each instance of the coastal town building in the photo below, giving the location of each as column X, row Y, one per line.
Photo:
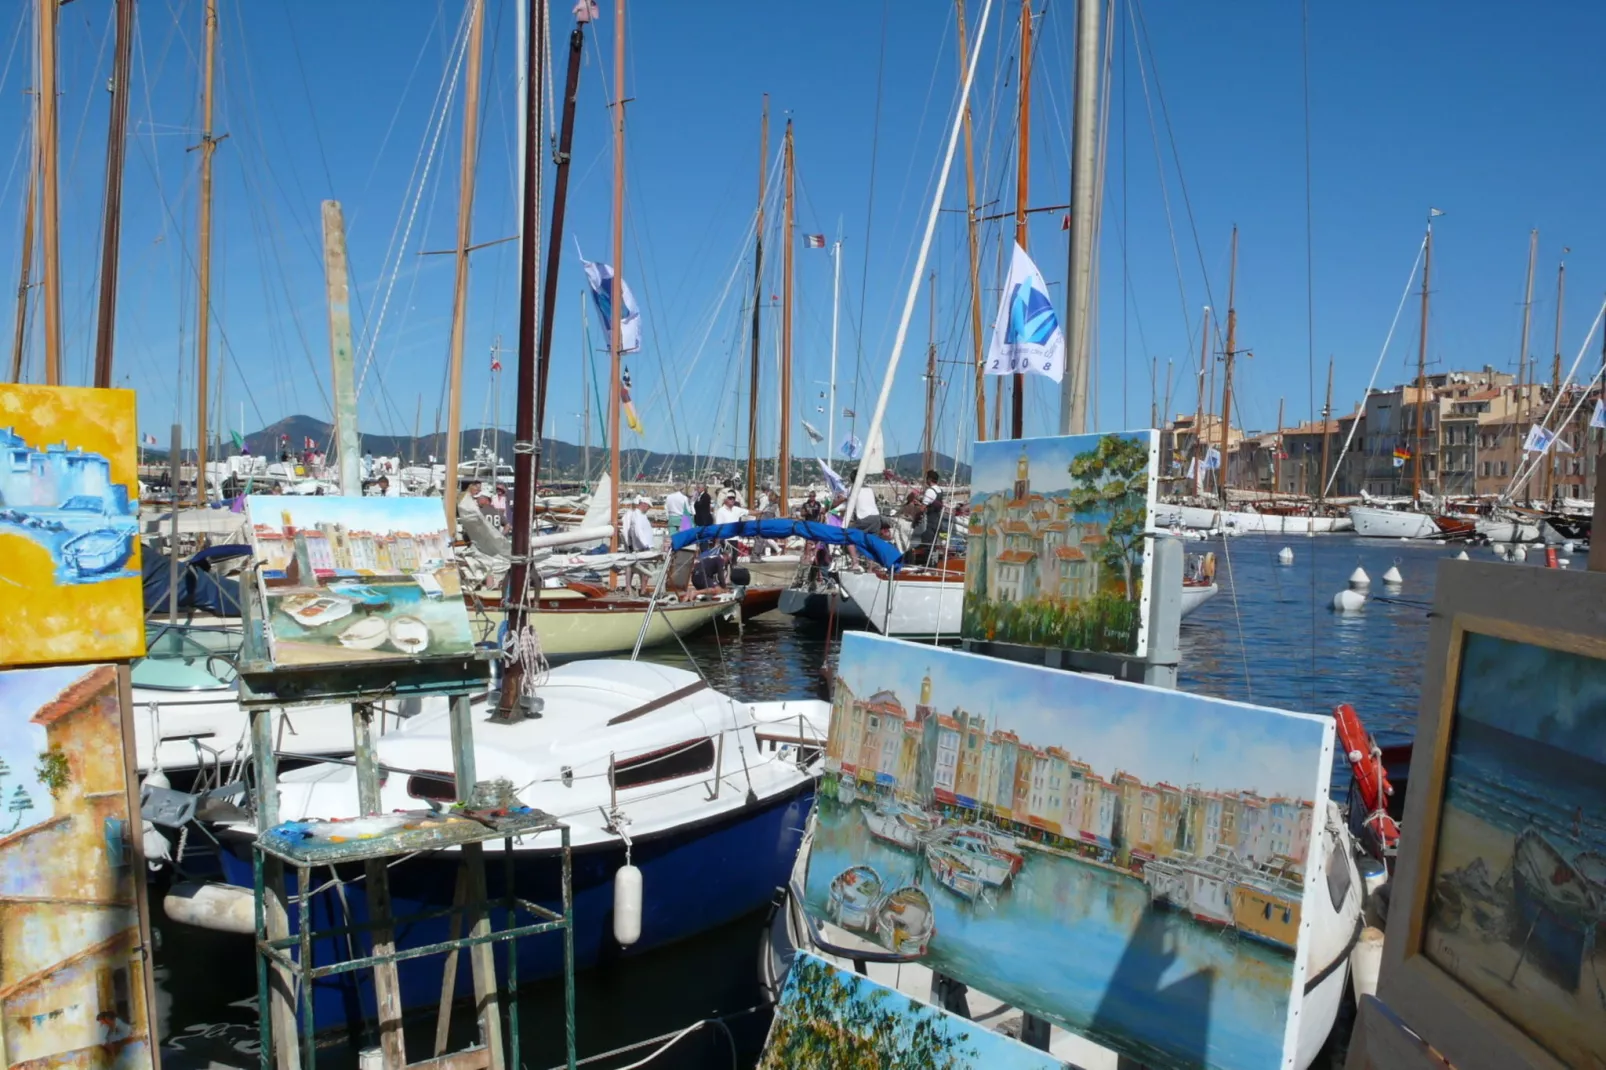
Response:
column 1034, row 547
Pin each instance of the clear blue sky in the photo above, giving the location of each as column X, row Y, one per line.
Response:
column 1470, row 107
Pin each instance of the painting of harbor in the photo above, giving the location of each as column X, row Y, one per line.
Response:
column 1057, row 549
column 69, row 552
column 1518, row 904
column 357, row 579
column 830, row 1019
column 70, row 989
column 1129, row 862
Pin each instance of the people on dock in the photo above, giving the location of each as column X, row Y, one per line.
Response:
column 676, row 507
column 728, row 512
column 812, row 509
column 638, row 537
column 702, row 507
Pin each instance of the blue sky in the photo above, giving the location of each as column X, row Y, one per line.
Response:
column 1152, row 733
column 22, row 692
column 993, row 466
column 416, row 515
column 1455, row 105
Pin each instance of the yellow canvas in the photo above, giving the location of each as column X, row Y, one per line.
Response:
column 69, row 518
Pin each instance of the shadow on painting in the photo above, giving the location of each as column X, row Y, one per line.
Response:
column 1172, row 1017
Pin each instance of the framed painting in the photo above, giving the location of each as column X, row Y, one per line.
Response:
column 1057, row 549
column 1143, row 867
column 69, row 526
column 1494, row 953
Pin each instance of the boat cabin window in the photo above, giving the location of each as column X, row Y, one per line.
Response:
column 188, row 658
column 683, row 759
column 432, row 785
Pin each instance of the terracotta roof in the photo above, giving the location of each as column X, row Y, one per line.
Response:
column 1094, row 540
column 1483, row 395
column 1016, row 557
column 78, row 694
column 1016, row 527
column 1069, row 553
column 1056, row 525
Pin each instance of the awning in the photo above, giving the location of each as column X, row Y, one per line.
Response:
column 886, row 779
column 879, row 550
column 1099, row 841
column 967, row 802
column 944, row 796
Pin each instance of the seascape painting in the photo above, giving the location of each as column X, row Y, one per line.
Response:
column 357, row 579
column 831, row 1019
column 1057, row 552
column 1517, row 911
column 70, row 989
column 69, row 546
column 1129, row 862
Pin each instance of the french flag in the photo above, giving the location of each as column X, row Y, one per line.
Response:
column 814, row 241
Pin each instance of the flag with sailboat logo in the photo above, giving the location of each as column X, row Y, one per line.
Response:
column 1026, row 333
column 600, row 277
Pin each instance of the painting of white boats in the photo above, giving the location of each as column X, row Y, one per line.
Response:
column 1131, row 863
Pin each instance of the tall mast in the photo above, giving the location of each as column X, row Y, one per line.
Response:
column 928, row 459
column 617, row 300
column 1023, row 141
column 1277, row 453
column 1555, row 368
column 203, row 258
column 1200, row 451
column 1226, row 365
column 116, row 144
column 1084, row 203
column 1327, row 416
column 836, row 289
column 560, row 203
column 1421, row 366
column 975, row 252
column 1522, row 358
column 783, row 459
column 338, row 290
column 758, row 305
column 50, row 223
column 465, row 227
column 26, row 273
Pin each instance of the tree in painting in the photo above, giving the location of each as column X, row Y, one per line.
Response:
column 1115, row 476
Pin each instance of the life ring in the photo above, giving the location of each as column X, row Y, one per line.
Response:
column 1371, row 778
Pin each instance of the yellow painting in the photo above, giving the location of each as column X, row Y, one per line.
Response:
column 69, row 526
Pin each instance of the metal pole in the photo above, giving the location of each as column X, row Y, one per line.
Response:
column 116, row 144
column 50, row 222
column 758, row 304
column 340, row 352
column 465, row 226
column 975, row 253
column 1023, row 144
column 1327, row 416
column 836, row 289
column 615, row 342
column 1084, row 156
column 203, row 259
column 174, row 467
column 783, row 459
column 1225, row 471
column 1421, row 367
column 1524, row 379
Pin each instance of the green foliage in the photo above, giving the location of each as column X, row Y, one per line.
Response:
column 1107, row 623
column 826, row 1022
column 1114, row 476
column 21, row 802
column 54, row 771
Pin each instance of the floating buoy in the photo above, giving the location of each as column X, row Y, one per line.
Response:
column 1359, row 580
column 1462, row 556
column 1392, row 577
column 1519, row 554
column 1348, row 601
column 627, row 905
column 1563, row 562
column 1568, row 547
column 1500, row 549
column 1285, row 556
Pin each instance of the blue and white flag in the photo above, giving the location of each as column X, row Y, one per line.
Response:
column 1598, row 418
column 835, row 482
column 813, row 433
column 851, row 447
column 1212, row 459
column 1539, row 440
column 600, row 276
column 1026, row 334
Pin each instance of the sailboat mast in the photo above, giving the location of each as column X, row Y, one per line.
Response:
column 1555, row 371
column 1421, row 367
column 758, row 306
column 111, row 236
column 1327, row 416
column 50, row 223
column 1084, row 221
column 1023, row 142
column 617, row 299
column 1277, row 453
column 26, row 273
column 465, row 225
column 1200, row 451
column 783, row 459
column 203, row 258
column 1522, row 358
column 928, row 459
column 975, row 251
column 1226, row 365
column 836, row 291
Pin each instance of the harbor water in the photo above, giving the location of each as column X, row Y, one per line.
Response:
column 1269, row 638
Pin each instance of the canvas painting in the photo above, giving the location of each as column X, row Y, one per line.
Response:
column 829, row 1018
column 70, row 989
column 1517, row 911
column 1056, row 554
column 69, row 518
column 1131, row 862
column 357, row 579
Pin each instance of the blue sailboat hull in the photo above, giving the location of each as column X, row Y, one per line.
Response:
column 695, row 878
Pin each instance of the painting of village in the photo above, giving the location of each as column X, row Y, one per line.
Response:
column 833, row 1019
column 71, row 994
column 1518, row 905
column 69, row 555
column 1127, row 861
column 357, row 579
column 1056, row 550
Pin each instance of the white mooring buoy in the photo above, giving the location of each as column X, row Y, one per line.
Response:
column 1462, row 556
column 1568, row 547
column 1392, row 577
column 627, row 905
column 1359, row 580
column 1348, row 602
column 1519, row 554
column 1285, row 556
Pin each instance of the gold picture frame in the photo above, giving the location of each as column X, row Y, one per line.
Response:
column 1454, row 969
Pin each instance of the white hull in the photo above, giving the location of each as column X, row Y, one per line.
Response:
column 1194, row 597
column 1508, row 530
column 568, row 633
column 920, row 607
column 1196, row 518
column 1373, row 523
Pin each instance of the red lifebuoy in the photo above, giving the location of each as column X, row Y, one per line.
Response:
column 1371, row 779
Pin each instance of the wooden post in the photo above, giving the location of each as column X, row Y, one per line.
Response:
column 481, row 958
column 617, row 303
column 116, row 146
column 282, row 983
column 783, row 461
column 975, row 253
column 465, row 228
column 340, row 352
column 50, row 222
column 1023, row 141
column 145, row 982
column 387, row 986
column 758, row 305
column 26, row 272
column 1226, row 368
column 203, row 256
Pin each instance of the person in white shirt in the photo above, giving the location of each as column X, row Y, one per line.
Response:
column 676, row 505
column 729, row 512
column 637, row 528
column 863, row 512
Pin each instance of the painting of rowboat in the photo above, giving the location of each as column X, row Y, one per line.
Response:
column 1517, row 911
column 1131, row 863
column 69, row 503
column 357, row 580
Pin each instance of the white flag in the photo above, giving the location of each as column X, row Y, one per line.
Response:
column 600, row 276
column 832, row 480
column 1212, row 459
column 813, row 433
column 1026, row 332
column 1538, row 440
column 1599, row 417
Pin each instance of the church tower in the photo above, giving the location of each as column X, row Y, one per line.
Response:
column 1023, row 479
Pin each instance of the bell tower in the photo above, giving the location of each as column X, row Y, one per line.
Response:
column 1023, row 479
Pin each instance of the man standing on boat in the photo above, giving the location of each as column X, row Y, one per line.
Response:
column 637, row 528
column 863, row 513
column 729, row 512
